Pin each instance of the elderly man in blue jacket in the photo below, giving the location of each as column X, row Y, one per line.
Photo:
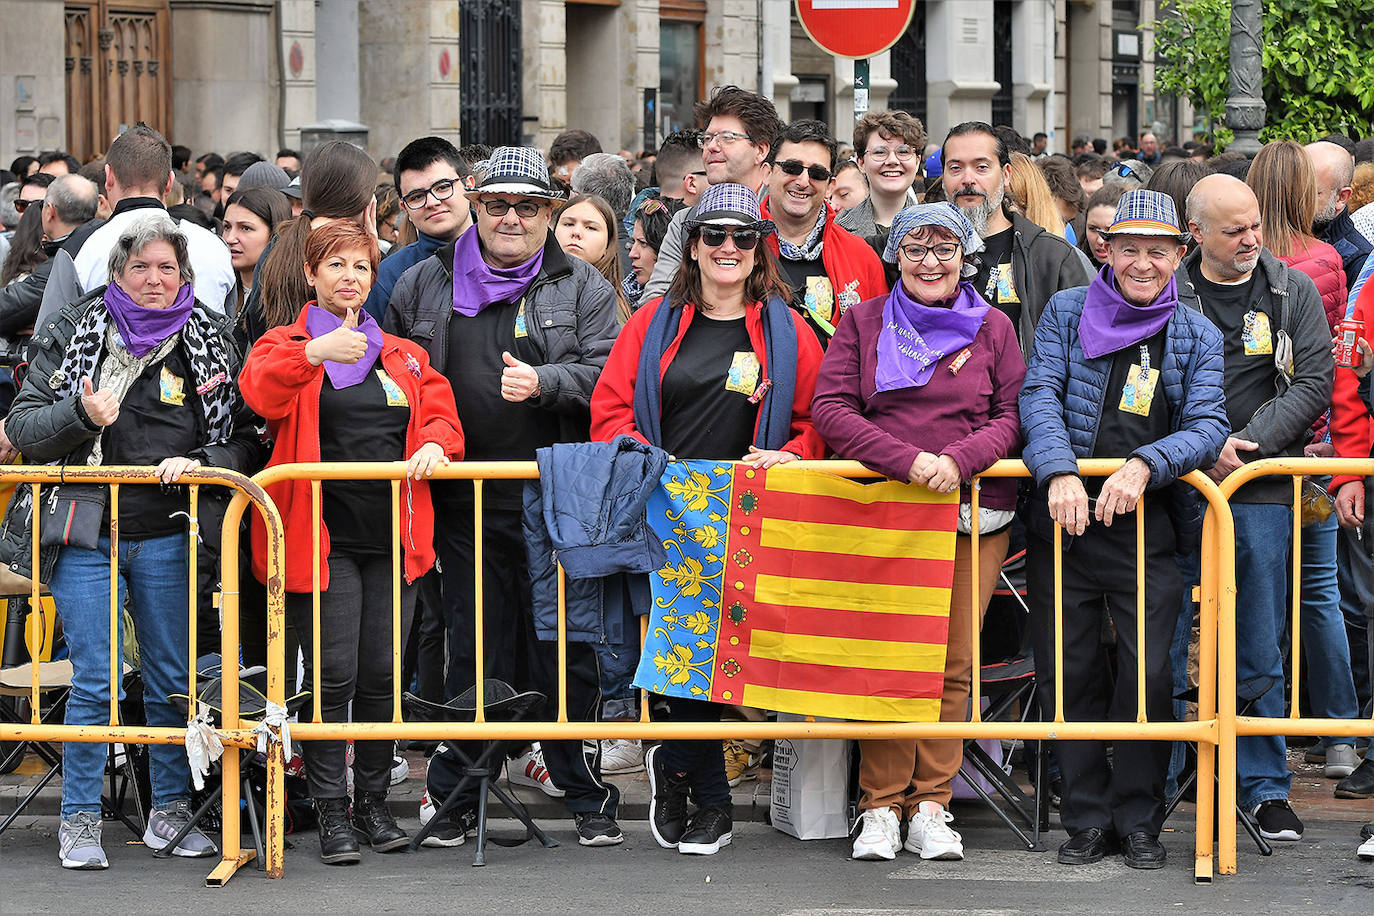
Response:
column 1119, row 370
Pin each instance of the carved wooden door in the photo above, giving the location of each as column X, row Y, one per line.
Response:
column 118, row 71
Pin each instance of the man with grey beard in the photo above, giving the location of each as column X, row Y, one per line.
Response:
column 1022, row 264
column 1335, row 171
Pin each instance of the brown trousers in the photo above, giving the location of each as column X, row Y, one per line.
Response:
column 902, row 774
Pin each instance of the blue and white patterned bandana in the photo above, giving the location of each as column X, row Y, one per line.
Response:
column 808, row 250
column 944, row 215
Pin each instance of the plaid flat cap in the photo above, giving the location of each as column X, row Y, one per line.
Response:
column 1144, row 212
column 728, row 204
column 517, row 170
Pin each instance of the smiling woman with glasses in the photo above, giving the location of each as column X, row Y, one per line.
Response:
column 921, row 385
column 720, row 368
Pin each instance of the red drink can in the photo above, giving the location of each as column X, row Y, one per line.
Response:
column 1348, row 350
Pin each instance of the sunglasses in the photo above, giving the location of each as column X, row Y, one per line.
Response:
column 21, row 205
column 523, row 209
column 1124, row 170
column 744, row 239
column 652, row 205
column 794, row 168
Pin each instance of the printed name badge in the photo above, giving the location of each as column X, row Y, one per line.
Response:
column 820, row 302
column 395, row 397
column 743, row 376
column 1006, row 285
column 520, row 329
column 173, row 388
column 1256, row 334
column 1139, row 391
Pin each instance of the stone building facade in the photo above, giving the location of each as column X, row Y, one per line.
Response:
column 261, row 74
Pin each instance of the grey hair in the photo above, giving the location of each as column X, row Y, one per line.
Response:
column 74, row 198
column 608, row 175
column 9, row 216
column 143, row 232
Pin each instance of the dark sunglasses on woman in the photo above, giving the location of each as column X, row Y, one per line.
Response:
column 745, row 239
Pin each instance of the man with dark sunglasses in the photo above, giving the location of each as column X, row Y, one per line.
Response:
column 828, row 267
column 429, row 179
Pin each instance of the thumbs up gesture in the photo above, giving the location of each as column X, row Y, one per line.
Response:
column 519, row 381
column 344, row 344
column 101, row 406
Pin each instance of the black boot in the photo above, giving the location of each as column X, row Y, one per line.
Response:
column 337, row 844
column 374, row 823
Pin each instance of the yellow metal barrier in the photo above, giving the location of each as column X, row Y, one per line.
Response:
column 1233, row 726
column 1217, row 602
column 232, row 732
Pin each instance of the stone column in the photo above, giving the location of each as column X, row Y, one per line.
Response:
column 408, row 64
column 297, row 39
column 732, row 43
column 958, row 63
column 543, row 31
column 33, row 92
column 1032, row 66
column 1245, row 104
column 778, row 79
column 222, row 94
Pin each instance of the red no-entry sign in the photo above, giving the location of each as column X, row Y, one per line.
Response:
column 855, row 28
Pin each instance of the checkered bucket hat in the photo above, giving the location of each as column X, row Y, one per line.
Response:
column 729, row 204
column 1146, row 213
column 517, row 170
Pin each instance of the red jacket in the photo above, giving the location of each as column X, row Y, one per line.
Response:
column 1323, row 264
column 1352, row 428
column 279, row 383
column 613, row 399
column 854, row 270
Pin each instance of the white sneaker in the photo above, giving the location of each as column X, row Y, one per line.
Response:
column 1341, row 761
column 928, row 835
column 426, row 807
column 880, row 835
column 621, row 755
column 1366, row 850
column 528, row 770
column 400, row 770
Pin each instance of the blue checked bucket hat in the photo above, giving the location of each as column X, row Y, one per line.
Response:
column 517, row 170
column 1146, row 213
column 728, row 204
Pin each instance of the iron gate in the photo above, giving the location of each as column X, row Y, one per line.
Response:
column 489, row 47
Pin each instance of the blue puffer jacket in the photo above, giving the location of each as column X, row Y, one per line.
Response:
column 1065, row 392
column 587, row 511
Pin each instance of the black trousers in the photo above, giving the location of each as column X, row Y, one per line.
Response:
column 1127, row 795
column 355, row 667
column 423, row 664
column 702, row 761
column 511, row 651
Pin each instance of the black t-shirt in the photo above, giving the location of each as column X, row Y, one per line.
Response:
column 813, row 294
column 1003, row 294
column 364, row 422
column 1249, row 354
column 1123, row 428
column 493, row 428
column 159, row 417
column 706, row 391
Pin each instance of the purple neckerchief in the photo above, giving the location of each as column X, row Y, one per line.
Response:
column 1111, row 323
column 476, row 284
column 915, row 337
column 143, row 329
column 320, row 321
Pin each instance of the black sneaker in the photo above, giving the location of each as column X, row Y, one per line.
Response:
column 451, row 830
column 1277, row 821
column 708, row 830
column 668, row 802
column 597, row 829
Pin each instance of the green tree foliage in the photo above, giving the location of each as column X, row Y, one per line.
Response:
column 1318, row 64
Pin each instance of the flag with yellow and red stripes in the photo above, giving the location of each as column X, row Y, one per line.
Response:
column 801, row 592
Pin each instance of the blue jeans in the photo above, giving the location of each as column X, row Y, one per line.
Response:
column 153, row 573
column 1264, row 535
column 1325, row 646
column 619, row 698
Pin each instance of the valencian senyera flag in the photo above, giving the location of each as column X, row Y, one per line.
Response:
column 800, row 592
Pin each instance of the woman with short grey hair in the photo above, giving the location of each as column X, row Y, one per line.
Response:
column 135, row 373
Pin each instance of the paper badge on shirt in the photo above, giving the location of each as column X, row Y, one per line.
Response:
column 820, row 301
column 521, row 330
column 743, row 376
column 1139, row 391
column 1256, row 334
column 172, row 388
column 395, row 397
column 1006, row 285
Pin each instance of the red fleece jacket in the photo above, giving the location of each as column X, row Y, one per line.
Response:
column 613, row 411
column 279, row 383
column 1352, row 428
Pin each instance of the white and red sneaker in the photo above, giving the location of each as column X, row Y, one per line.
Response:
column 528, row 770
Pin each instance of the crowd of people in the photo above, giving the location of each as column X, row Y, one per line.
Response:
column 752, row 291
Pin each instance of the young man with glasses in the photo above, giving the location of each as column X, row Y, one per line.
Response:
column 429, row 179
column 828, row 268
column 521, row 332
column 739, row 128
column 888, row 146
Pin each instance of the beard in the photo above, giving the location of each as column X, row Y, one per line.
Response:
column 1327, row 214
column 979, row 213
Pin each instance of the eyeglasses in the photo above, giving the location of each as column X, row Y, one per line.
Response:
column 917, row 253
column 724, row 138
column 442, row 190
column 744, row 239
column 523, row 209
column 879, row 153
column 793, row 167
